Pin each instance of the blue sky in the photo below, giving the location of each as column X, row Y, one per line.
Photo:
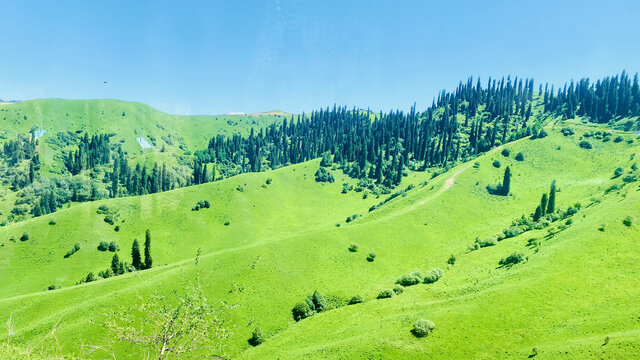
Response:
column 215, row 57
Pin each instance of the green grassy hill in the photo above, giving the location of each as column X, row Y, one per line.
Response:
column 578, row 287
column 177, row 133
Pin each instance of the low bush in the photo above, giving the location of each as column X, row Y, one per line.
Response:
column 103, row 246
column 506, row 152
column 628, row 221
column 354, row 247
column 371, row 257
column 519, row 156
column 256, row 338
column 385, row 294
column 451, row 260
column 513, row 259
column 24, row 237
column 72, row 251
column 301, row 311
column 567, row 131
column 398, row 289
column 512, row 232
column 268, row 181
column 410, row 279
column 358, row 299
column 585, row 144
column 113, row 247
column 202, row 204
column 52, row 221
column 618, row 172
column 433, row 275
column 496, row 163
column 423, row 327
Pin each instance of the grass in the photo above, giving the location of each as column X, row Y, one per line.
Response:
column 282, row 244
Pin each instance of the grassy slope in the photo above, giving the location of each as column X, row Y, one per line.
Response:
column 287, row 246
column 105, row 116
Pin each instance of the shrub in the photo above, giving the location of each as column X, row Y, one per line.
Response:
column 109, row 219
column 496, row 163
column 52, row 221
column 410, row 279
column 512, row 232
column 90, row 277
column 268, row 182
column 618, row 139
column 513, row 259
column 354, row 247
column 628, row 221
column 585, row 144
column 520, row 156
column 371, row 257
column 113, row 247
column 506, row 152
column 398, row 289
column 618, row 172
column 240, row 188
column 358, row 299
column 103, row 246
column 567, row 131
column 301, row 311
column 227, row 223
column 117, row 228
column 489, row 241
column 202, row 204
column 326, row 159
column 52, row 287
column 385, row 294
column 452, row 260
column 324, row 175
column 542, row 134
column 433, row 275
column 423, row 327
column 72, row 251
column 256, row 338
column 319, row 303
column 634, row 167
column 24, row 237
column 103, row 209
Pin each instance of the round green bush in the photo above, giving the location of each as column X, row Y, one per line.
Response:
column 433, row 275
column 496, row 163
column 506, row 152
column 301, row 311
column 398, row 289
column 385, row 294
column 256, row 338
column 358, row 299
column 423, row 327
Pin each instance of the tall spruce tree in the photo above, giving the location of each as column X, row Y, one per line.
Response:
column 136, row 260
column 537, row 214
column 543, row 204
column 506, row 182
column 148, row 261
column 115, row 264
column 551, row 207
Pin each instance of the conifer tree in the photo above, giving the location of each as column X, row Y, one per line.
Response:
column 543, row 204
column 506, row 182
column 148, row 261
column 537, row 214
column 136, row 260
column 551, row 207
column 115, row 264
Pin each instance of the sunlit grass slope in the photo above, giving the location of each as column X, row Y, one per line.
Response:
column 580, row 287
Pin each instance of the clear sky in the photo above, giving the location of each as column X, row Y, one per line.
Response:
column 214, row 57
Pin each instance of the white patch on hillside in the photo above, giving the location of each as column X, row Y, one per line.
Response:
column 144, row 143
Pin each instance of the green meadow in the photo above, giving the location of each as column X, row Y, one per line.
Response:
column 270, row 239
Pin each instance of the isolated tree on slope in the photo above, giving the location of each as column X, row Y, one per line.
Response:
column 506, row 182
column 551, row 207
column 543, row 204
column 148, row 261
column 136, row 260
column 115, row 264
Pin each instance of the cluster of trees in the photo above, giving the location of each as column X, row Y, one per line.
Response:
column 118, row 267
column 139, row 180
column 22, row 148
column 201, row 173
column 547, row 204
column 459, row 124
column 90, row 153
column 611, row 97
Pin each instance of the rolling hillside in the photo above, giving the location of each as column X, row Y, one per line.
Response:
column 281, row 242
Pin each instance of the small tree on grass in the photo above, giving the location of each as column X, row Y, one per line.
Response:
column 256, row 338
column 184, row 324
column 115, row 264
column 136, row 260
column 423, row 327
column 506, row 182
column 551, row 206
column 148, row 261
